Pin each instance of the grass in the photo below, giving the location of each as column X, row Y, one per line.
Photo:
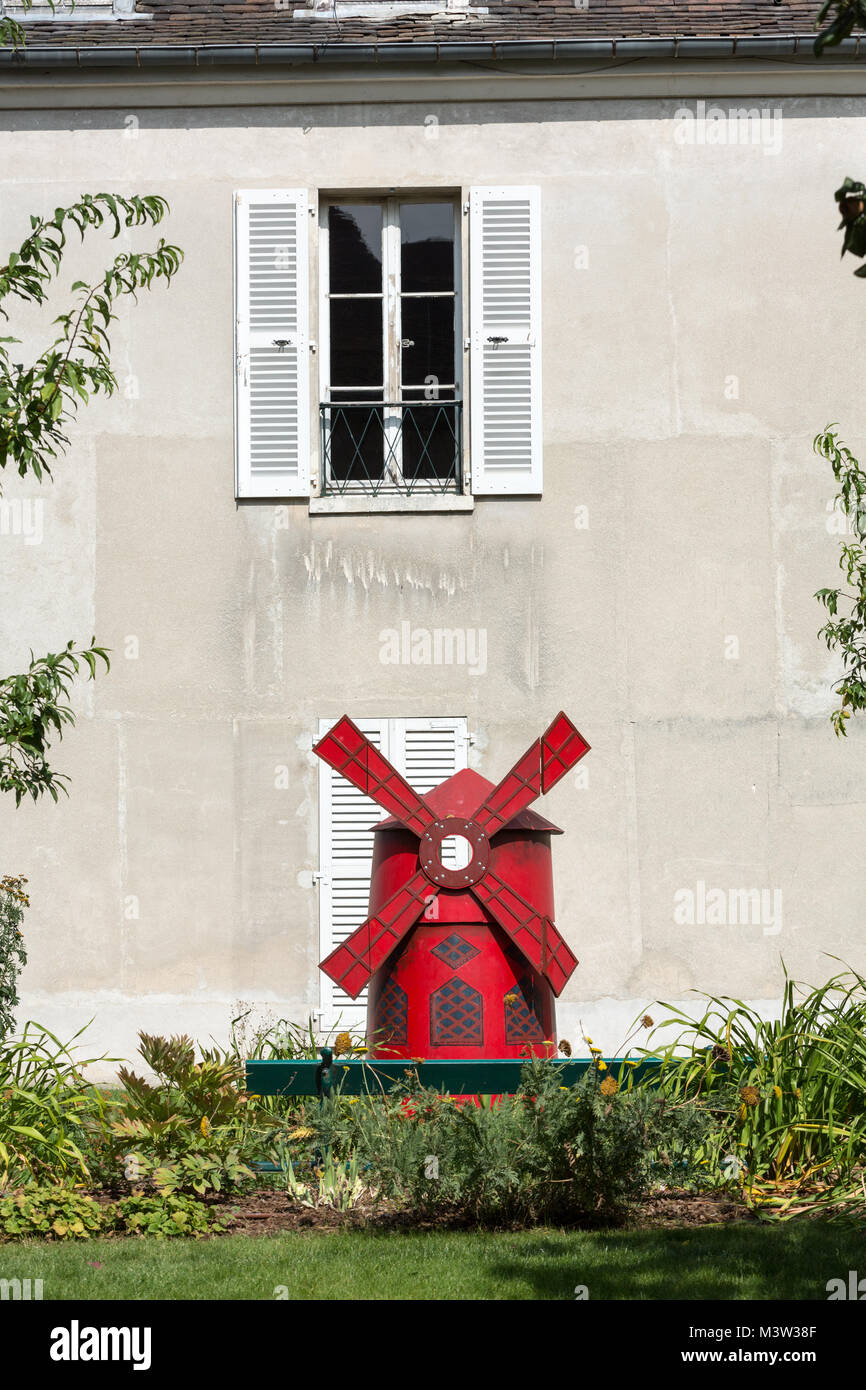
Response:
column 739, row 1261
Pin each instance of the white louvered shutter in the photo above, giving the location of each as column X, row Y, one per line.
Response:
column 426, row 751
column 505, row 329
column 272, row 403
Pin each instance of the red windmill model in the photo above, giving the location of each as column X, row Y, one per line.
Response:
column 462, row 962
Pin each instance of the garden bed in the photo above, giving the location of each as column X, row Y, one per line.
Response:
column 267, row 1212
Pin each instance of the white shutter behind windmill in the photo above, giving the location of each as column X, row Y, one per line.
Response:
column 505, row 328
column 426, row 751
column 272, row 408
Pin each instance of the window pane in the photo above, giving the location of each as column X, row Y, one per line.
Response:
column 427, row 246
column 354, row 444
column 355, row 248
column 428, row 325
column 430, row 437
column 356, row 342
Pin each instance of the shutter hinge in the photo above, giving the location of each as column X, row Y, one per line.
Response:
column 319, row 876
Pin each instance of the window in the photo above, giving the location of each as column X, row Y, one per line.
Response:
column 426, row 751
column 390, row 333
column 378, row 424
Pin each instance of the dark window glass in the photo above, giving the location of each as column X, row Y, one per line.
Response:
column 429, row 435
column 354, row 443
column 356, row 342
column 427, row 246
column 355, row 248
column 428, row 331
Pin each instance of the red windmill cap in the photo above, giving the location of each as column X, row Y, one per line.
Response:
column 461, row 795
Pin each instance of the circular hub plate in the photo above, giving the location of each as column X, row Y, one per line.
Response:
column 430, row 853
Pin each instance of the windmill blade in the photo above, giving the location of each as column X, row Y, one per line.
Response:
column 533, row 934
column 351, row 753
column 542, row 765
column 351, row 964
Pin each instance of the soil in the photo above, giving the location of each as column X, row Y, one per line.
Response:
column 267, row 1212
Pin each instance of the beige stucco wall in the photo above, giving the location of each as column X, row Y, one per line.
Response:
column 685, row 369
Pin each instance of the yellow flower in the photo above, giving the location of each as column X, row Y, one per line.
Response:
column 608, row 1086
column 205, row 1126
column 342, row 1043
column 777, row 1092
column 602, row 1066
column 302, row 1132
column 510, row 999
column 631, row 1062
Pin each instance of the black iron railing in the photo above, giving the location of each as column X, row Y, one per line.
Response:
column 398, row 448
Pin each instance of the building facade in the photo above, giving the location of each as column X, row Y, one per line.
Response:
column 487, row 388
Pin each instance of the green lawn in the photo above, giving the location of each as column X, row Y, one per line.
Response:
column 742, row 1261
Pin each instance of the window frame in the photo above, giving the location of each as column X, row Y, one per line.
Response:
column 392, row 295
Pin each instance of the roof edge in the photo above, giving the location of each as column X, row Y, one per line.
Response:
column 329, row 53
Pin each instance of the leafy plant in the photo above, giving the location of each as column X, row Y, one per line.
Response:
column 548, row 1154
column 846, row 632
column 49, row 1110
column 11, row 33
column 32, row 708
column 787, row 1097
column 336, row 1185
column 13, row 956
column 846, row 15
column 53, row 1213
column 38, row 400
column 166, row 1216
column 194, row 1128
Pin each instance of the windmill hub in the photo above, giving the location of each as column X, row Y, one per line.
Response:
column 430, row 852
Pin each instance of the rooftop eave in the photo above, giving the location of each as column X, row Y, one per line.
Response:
column 670, row 48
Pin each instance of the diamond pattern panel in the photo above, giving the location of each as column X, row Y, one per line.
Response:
column 454, row 951
column 456, row 1015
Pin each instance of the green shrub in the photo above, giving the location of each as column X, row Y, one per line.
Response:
column 13, row 956
column 547, row 1154
column 195, row 1128
column 54, row 1213
column 49, row 1111
column 166, row 1216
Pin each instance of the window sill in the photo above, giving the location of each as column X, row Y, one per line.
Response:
column 359, row 506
